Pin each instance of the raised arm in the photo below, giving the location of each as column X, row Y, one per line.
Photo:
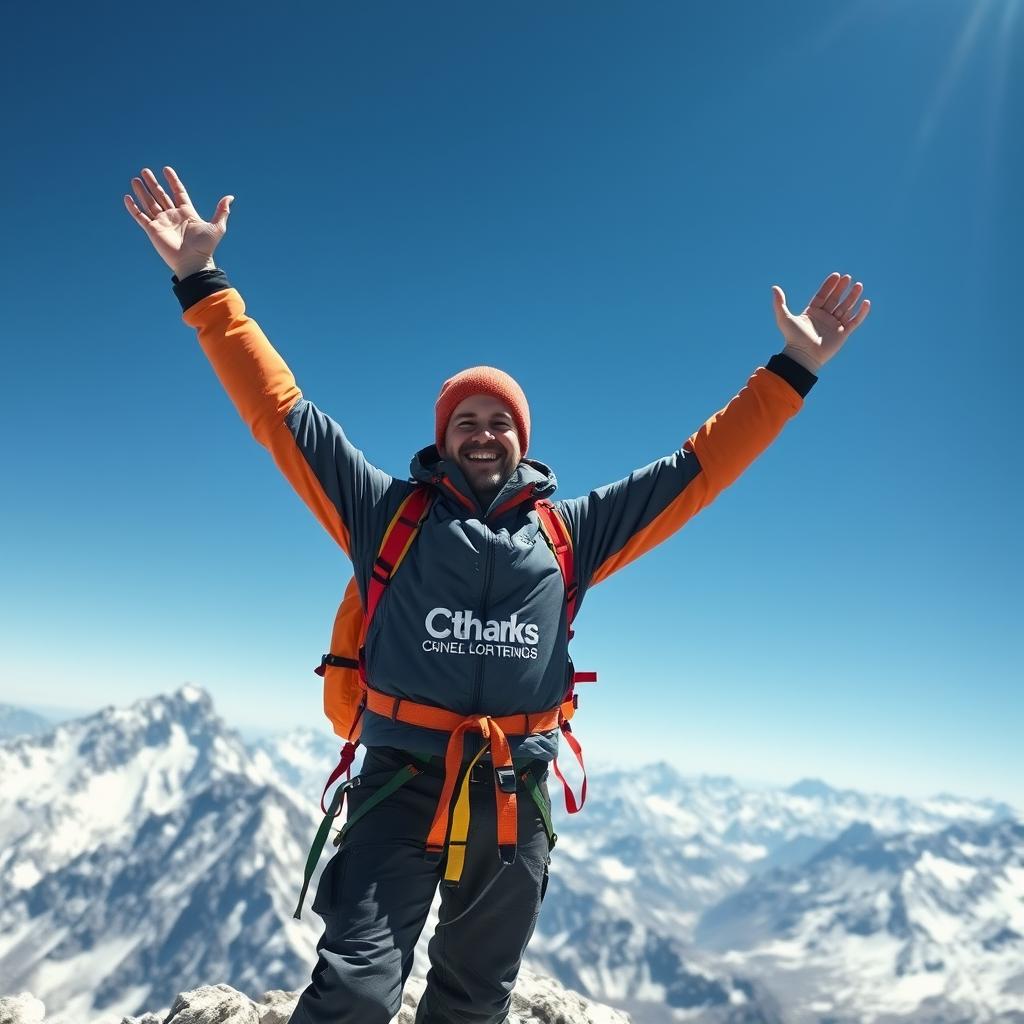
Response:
column 350, row 497
column 614, row 525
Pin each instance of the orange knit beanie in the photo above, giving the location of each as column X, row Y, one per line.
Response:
column 482, row 380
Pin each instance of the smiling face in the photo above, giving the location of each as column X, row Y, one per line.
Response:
column 481, row 440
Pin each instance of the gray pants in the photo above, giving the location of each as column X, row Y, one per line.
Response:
column 375, row 893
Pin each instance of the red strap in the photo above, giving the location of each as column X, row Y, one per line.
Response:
column 398, row 538
column 570, row 800
column 348, row 753
column 559, row 538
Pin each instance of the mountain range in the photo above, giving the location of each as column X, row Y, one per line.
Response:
column 147, row 850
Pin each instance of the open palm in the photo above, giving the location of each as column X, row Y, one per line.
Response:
column 822, row 329
column 184, row 241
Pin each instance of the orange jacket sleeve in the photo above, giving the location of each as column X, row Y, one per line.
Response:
column 347, row 494
column 614, row 525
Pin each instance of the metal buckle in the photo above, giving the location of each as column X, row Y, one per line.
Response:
column 506, row 779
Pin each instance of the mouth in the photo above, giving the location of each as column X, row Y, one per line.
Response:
column 483, row 457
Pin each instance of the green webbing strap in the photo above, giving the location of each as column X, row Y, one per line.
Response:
column 538, row 799
column 402, row 776
column 318, row 842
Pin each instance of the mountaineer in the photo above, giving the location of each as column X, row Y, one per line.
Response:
column 462, row 660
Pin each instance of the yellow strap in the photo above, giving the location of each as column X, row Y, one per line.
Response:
column 460, row 827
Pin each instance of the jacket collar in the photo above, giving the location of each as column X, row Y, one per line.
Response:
column 531, row 479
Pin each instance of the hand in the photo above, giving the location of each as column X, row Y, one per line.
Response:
column 184, row 241
column 821, row 330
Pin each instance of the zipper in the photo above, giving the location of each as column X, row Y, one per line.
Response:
column 522, row 495
column 488, row 564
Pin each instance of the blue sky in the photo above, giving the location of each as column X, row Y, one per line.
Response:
column 598, row 198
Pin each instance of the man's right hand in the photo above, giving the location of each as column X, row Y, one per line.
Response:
column 184, row 241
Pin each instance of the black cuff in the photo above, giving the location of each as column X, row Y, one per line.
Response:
column 197, row 286
column 798, row 377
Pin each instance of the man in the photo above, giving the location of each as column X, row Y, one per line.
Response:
column 476, row 623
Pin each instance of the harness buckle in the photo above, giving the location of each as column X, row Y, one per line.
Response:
column 506, row 779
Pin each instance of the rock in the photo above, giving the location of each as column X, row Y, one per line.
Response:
column 537, row 999
column 23, row 1008
column 276, row 1007
column 213, row 1004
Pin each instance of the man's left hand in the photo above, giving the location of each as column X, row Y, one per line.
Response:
column 820, row 331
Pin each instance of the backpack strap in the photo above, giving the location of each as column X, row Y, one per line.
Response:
column 557, row 534
column 398, row 538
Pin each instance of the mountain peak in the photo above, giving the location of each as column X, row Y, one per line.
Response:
column 812, row 788
column 15, row 721
column 194, row 695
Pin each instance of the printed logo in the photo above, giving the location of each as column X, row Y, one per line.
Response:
column 462, row 632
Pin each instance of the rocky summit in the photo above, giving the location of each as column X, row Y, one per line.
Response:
column 536, row 1000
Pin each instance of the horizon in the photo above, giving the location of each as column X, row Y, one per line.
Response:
column 251, row 735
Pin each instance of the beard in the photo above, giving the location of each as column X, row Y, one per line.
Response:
column 486, row 479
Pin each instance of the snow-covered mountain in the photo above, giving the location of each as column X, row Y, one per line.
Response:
column 664, row 847
column 146, row 850
column 652, row 850
column 16, row 721
column 908, row 927
column 142, row 852
column 302, row 759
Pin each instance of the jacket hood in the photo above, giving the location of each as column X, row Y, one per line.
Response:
column 427, row 467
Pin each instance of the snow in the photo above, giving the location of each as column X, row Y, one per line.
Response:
column 13, row 937
column 940, row 923
column 233, row 925
column 672, row 811
column 952, row 876
column 954, row 807
column 125, row 1005
column 24, row 875
column 614, row 870
column 1008, row 898
column 616, row 900
column 749, row 851
column 907, row 992
column 51, row 977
